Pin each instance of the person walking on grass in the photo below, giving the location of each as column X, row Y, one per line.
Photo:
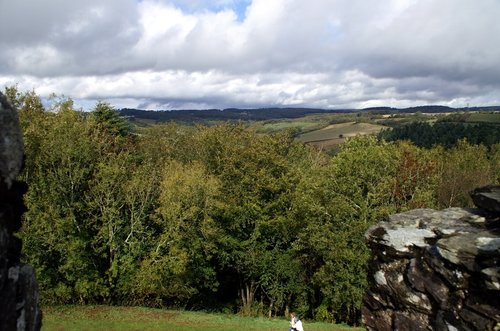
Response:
column 295, row 323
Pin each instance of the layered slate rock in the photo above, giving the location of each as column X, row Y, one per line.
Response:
column 487, row 198
column 435, row 270
column 19, row 308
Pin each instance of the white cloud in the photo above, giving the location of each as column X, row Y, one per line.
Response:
column 322, row 53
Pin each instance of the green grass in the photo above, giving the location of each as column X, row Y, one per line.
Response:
column 336, row 131
column 276, row 126
column 138, row 318
column 304, row 124
column 484, row 117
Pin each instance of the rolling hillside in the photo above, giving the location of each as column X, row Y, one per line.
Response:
column 335, row 134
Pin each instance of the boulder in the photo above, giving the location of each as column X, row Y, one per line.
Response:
column 11, row 144
column 19, row 307
column 436, row 270
column 487, row 198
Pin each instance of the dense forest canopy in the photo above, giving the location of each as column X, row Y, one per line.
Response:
column 444, row 133
column 218, row 218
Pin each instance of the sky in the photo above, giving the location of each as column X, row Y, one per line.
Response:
column 199, row 54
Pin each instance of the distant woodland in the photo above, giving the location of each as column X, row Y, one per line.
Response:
column 221, row 217
column 260, row 114
column 445, row 134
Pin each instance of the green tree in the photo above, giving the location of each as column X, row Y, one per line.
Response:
column 417, row 177
column 180, row 261
column 494, row 158
column 13, row 94
column 109, row 121
column 336, row 203
column 257, row 175
column 56, row 235
column 465, row 167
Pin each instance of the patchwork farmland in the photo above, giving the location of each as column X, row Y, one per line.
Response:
column 335, row 134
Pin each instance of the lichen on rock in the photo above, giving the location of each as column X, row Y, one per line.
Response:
column 436, row 270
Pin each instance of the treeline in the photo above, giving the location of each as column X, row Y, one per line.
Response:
column 229, row 114
column 262, row 114
column 217, row 218
column 447, row 134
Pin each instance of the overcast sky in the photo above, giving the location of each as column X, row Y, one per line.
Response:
column 159, row 54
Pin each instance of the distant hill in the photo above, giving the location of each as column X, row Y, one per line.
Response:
column 429, row 109
column 262, row 114
column 230, row 114
column 422, row 109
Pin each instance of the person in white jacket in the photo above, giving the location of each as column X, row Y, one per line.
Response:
column 295, row 323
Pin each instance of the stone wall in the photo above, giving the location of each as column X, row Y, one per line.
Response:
column 19, row 309
column 436, row 270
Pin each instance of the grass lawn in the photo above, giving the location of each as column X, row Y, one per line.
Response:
column 137, row 318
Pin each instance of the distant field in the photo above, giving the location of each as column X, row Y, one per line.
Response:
column 302, row 125
column 335, row 134
column 137, row 318
column 143, row 122
column 484, row 117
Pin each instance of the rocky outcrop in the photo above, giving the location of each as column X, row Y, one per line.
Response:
column 19, row 308
column 436, row 270
column 487, row 198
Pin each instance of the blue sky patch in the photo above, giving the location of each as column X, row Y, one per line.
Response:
column 238, row 6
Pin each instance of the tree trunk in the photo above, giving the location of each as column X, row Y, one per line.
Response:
column 287, row 306
column 247, row 293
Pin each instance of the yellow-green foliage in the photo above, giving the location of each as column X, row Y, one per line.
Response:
column 221, row 217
